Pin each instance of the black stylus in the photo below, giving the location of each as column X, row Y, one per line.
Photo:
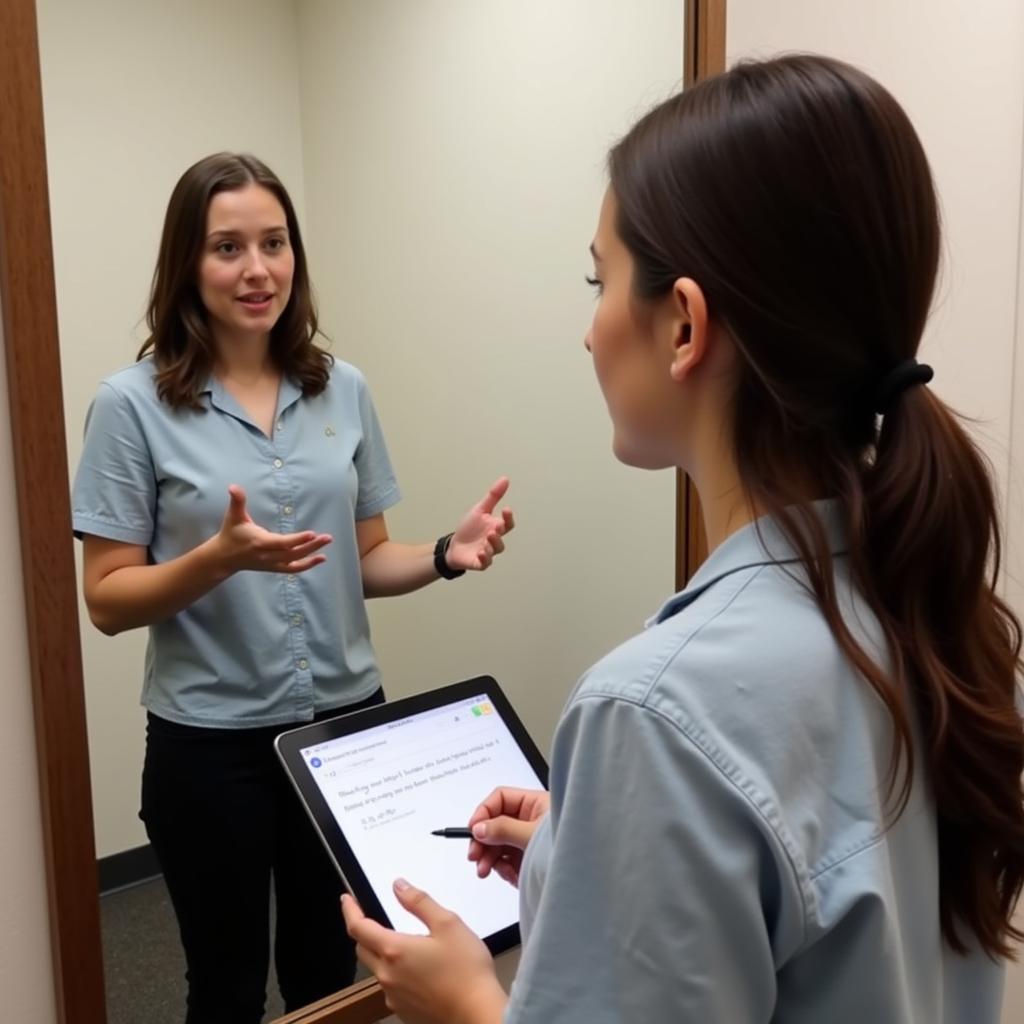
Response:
column 453, row 833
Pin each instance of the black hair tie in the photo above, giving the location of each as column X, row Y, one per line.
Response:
column 903, row 377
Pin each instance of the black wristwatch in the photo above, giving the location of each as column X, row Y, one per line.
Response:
column 441, row 563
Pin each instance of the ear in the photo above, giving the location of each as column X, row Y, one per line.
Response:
column 688, row 316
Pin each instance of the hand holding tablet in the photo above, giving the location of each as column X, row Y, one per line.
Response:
column 378, row 782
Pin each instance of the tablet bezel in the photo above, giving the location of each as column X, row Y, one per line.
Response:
column 290, row 744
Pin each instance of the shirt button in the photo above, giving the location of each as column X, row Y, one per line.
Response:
column 303, row 664
column 290, row 578
column 279, row 424
column 287, row 510
column 278, row 463
column 296, row 620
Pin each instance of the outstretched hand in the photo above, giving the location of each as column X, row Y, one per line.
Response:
column 242, row 544
column 479, row 537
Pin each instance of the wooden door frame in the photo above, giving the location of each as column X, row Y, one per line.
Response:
column 32, row 352
column 704, row 50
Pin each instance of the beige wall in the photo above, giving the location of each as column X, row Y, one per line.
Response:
column 454, row 167
column 25, row 973
column 134, row 92
column 958, row 68
column 488, row 240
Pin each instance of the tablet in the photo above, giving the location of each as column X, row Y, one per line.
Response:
column 378, row 782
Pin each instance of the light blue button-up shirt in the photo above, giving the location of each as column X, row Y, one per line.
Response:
column 716, row 850
column 261, row 648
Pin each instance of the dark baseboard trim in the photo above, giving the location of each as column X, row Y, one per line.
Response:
column 128, row 868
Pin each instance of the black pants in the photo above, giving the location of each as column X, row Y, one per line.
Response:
column 223, row 818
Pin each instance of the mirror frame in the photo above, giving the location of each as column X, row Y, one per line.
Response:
column 28, row 299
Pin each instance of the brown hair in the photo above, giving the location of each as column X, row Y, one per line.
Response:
column 180, row 338
column 797, row 194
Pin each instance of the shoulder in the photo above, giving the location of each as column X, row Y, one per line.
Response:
column 750, row 676
column 131, row 388
column 136, row 379
column 128, row 394
column 346, row 377
column 346, row 389
column 754, row 639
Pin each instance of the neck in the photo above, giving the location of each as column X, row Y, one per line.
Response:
column 244, row 357
column 724, row 504
column 726, row 507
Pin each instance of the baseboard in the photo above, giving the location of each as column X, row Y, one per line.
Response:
column 128, row 868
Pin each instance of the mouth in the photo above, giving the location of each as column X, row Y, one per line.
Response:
column 256, row 300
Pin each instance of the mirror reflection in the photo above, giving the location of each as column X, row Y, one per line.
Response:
column 427, row 176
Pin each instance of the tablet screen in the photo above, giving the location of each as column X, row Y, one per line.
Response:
column 389, row 786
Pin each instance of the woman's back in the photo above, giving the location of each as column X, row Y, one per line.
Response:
column 717, row 848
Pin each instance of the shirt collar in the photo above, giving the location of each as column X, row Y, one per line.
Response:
column 759, row 543
column 288, row 394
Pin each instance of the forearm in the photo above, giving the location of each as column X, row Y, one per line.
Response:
column 139, row 595
column 391, row 568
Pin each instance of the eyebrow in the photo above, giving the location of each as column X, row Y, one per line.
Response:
column 234, row 231
column 594, row 253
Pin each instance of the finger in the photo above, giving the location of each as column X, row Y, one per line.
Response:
column 268, row 543
column 420, row 905
column 508, row 519
column 370, row 961
column 497, row 544
column 289, row 541
column 504, row 831
column 303, row 565
column 490, row 857
column 507, row 872
column 503, row 800
column 494, row 495
column 350, row 909
column 371, row 935
column 305, row 550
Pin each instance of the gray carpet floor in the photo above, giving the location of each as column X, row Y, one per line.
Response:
column 143, row 962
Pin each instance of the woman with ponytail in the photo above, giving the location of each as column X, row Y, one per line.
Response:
column 796, row 796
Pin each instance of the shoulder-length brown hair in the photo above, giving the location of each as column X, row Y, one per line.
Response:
column 180, row 338
column 797, row 194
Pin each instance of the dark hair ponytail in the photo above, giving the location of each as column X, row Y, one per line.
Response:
column 796, row 193
column 931, row 559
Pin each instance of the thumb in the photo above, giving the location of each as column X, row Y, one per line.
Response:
column 236, row 506
column 504, row 831
column 419, row 904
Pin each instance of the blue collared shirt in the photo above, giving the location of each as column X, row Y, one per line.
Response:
column 716, row 850
column 261, row 648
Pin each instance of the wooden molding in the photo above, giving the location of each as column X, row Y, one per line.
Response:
column 363, row 1003
column 703, row 56
column 705, row 44
column 44, row 518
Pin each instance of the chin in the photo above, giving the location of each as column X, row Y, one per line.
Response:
column 638, row 456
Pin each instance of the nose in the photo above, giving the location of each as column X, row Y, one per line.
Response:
column 587, row 340
column 254, row 266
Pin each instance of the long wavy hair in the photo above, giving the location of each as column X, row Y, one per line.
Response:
column 180, row 338
column 796, row 192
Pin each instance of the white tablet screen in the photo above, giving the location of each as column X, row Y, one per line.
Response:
column 391, row 785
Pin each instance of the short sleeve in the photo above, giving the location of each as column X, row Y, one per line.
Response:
column 114, row 493
column 656, row 903
column 378, row 488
